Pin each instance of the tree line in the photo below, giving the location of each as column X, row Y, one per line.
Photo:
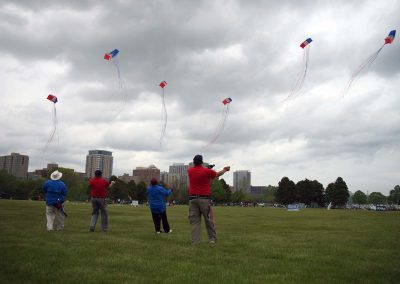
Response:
column 309, row 192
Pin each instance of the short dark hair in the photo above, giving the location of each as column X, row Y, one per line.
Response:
column 98, row 173
column 153, row 181
column 198, row 160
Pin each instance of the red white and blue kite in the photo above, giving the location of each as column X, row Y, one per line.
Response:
column 298, row 85
column 368, row 62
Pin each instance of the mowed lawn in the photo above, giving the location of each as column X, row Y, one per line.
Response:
column 255, row 245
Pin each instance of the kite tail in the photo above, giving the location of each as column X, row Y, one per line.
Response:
column 298, row 85
column 363, row 67
column 121, row 86
column 54, row 130
column 220, row 127
column 164, row 110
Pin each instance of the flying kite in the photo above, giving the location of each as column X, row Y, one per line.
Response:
column 222, row 122
column 303, row 72
column 163, row 84
column 113, row 56
column 53, row 133
column 368, row 62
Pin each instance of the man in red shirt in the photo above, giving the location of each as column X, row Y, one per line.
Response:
column 199, row 198
column 98, row 194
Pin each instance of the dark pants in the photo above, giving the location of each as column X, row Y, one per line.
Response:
column 157, row 217
column 99, row 204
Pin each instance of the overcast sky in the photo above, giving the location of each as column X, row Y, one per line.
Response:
column 206, row 51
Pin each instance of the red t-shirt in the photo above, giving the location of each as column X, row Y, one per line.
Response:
column 98, row 187
column 199, row 180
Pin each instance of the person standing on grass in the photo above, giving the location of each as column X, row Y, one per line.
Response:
column 56, row 191
column 156, row 195
column 98, row 193
column 200, row 199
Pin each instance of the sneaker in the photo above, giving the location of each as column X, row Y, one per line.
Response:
column 158, row 232
column 212, row 242
column 91, row 230
column 170, row 231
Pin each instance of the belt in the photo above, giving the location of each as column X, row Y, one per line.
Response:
column 199, row 196
column 98, row 197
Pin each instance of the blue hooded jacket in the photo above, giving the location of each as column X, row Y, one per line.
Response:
column 156, row 195
column 55, row 191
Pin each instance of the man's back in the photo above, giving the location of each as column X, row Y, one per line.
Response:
column 199, row 180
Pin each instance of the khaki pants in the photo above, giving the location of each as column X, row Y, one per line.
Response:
column 52, row 214
column 197, row 208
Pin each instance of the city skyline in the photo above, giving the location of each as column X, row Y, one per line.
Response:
column 206, row 52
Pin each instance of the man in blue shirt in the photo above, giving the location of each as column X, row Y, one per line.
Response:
column 56, row 191
column 156, row 196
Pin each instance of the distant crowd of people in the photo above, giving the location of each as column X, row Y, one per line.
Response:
column 200, row 205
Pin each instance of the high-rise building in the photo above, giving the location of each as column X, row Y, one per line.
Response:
column 178, row 168
column 99, row 160
column 178, row 176
column 242, row 181
column 15, row 164
column 145, row 174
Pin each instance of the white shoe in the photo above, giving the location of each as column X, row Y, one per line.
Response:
column 158, row 233
column 170, row 231
column 212, row 242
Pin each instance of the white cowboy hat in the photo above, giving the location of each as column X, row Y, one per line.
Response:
column 56, row 175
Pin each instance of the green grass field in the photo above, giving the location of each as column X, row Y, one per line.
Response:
column 255, row 245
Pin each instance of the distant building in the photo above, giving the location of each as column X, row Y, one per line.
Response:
column 99, row 160
column 178, row 176
column 15, row 164
column 43, row 173
column 258, row 189
column 164, row 177
column 146, row 174
column 242, row 181
column 126, row 178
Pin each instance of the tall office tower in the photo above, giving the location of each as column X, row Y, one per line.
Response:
column 242, row 180
column 15, row 164
column 99, row 160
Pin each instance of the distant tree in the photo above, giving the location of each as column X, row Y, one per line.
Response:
column 318, row 193
column 310, row 192
column 238, row 196
column 376, row 198
column 359, row 197
column 218, row 193
column 337, row 192
column 394, row 195
column 140, row 192
column 8, row 184
column 131, row 188
column 227, row 188
column 118, row 191
column 286, row 192
column 270, row 192
column 304, row 192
